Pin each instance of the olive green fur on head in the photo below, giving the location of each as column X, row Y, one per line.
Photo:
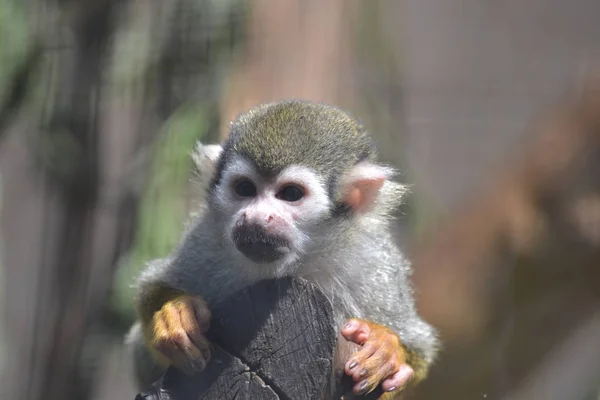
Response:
column 297, row 132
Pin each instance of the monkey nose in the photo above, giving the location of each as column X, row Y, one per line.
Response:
column 258, row 244
column 264, row 220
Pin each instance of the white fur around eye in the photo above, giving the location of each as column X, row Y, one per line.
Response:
column 226, row 199
column 316, row 201
column 236, row 169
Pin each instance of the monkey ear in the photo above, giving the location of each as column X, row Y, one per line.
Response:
column 362, row 184
column 205, row 157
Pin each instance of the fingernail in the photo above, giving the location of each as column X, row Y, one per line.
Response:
column 348, row 325
column 363, row 386
column 352, row 364
column 392, row 389
column 363, row 373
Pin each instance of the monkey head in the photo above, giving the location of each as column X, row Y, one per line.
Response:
column 291, row 178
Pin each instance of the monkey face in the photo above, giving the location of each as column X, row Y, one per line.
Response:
column 270, row 218
column 292, row 179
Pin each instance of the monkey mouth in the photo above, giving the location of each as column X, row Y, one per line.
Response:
column 260, row 246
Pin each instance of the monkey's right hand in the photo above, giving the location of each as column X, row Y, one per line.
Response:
column 177, row 333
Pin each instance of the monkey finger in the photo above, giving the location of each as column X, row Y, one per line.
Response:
column 399, row 379
column 180, row 358
column 165, row 341
column 182, row 354
column 365, row 386
column 162, row 340
column 159, row 327
column 356, row 331
column 373, row 378
column 355, row 365
column 382, row 363
column 176, row 340
column 175, row 355
column 377, row 367
column 189, row 323
column 350, row 327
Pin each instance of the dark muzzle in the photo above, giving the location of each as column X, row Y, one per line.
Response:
column 260, row 246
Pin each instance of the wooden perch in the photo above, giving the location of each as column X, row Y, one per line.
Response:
column 274, row 340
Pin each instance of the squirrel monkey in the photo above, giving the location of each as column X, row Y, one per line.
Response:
column 294, row 191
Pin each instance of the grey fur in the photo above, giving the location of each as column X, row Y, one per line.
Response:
column 360, row 269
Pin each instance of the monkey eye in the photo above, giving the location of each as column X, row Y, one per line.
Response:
column 290, row 193
column 245, row 188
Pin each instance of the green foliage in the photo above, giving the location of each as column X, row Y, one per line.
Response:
column 164, row 202
column 13, row 37
column 13, row 45
column 163, row 208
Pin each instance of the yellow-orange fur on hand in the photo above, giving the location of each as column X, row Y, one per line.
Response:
column 381, row 359
column 176, row 333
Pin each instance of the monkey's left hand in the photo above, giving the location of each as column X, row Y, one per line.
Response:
column 381, row 359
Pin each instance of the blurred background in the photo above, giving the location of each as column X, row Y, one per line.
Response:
column 101, row 102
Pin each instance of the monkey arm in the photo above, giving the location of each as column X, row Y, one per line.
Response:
column 170, row 327
column 387, row 341
column 170, row 299
column 152, row 293
column 419, row 346
column 419, row 338
column 421, row 355
column 374, row 355
column 387, row 299
column 152, row 296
